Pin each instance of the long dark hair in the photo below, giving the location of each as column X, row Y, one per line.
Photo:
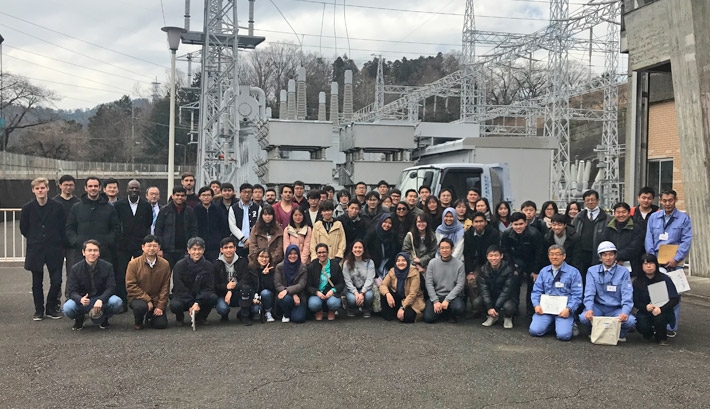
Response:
column 579, row 209
column 350, row 257
column 428, row 234
column 496, row 216
column 255, row 264
column 545, row 206
column 306, row 220
column 438, row 211
column 263, row 227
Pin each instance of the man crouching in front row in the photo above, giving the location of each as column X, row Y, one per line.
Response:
column 193, row 285
column 91, row 288
column 148, row 286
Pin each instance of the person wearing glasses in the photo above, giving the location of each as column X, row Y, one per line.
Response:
column 325, row 284
column 589, row 225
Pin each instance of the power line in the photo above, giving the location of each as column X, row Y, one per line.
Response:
column 84, row 41
column 72, row 51
column 74, row 64
column 163, row 10
column 346, row 27
column 426, row 21
column 73, row 85
column 66, row 73
column 286, row 20
column 359, row 39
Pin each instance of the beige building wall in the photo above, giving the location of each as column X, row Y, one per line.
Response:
column 663, row 142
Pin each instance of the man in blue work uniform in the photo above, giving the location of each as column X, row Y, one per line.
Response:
column 557, row 279
column 670, row 226
column 608, row 292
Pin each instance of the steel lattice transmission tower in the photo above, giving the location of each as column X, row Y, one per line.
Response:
column 610, row 150
column 473, row 92
column 379, row 86
column 557, row 112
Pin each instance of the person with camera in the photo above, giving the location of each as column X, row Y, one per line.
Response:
column 233, row 283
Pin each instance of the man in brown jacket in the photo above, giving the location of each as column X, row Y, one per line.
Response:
column 148, row 286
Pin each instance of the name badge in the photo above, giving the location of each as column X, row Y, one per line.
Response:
column 611, row 288
column 559, row 284
column 663, row 236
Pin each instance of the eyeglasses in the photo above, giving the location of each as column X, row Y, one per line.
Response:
column 401, row 209
column 321, row 252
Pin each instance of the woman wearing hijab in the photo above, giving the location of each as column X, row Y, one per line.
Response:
column 298, row 232
column 290, row 280
column 325, row 284
column 401, row 292
column 651, row 320
column 452, row 229
column 267, row 234
column 382, row 246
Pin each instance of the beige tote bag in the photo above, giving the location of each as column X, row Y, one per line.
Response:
column 605, row 330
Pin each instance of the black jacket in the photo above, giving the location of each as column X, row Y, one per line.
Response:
column 66, row 204
column 165, row 225
column 526, row 251
column 599, row 224
column 474, row 246
column 375, row 248
column 93, row 219
column 101, row 284
column 242, row 275
column 314, row 275
column 496, row 287
column 193, row 287
column 538, row 224
column 133, row 227
column 574, row 256
column 354, row 229
column 638, row 218
column 211, row 225
column 629, row 242
column 265, row 281
column 642, row 299
column 369, row 218
column 43, row 227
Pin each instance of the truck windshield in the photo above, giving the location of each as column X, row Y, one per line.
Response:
column 415, row 178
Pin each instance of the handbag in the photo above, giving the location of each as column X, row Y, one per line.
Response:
column 605, row 330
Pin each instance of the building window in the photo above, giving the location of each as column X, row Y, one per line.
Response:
column 660, row 175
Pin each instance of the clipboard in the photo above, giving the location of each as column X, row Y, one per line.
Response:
column 666, row 253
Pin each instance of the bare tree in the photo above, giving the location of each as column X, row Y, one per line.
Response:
column 20, row 98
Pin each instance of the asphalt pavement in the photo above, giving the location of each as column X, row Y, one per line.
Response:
column 351, row 362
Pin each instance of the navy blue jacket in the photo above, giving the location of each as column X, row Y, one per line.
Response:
column 211, row 225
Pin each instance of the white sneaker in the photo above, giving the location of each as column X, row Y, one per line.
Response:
column 269, row 317
column 507, row 323
column 285, row 319
column 575, row 330
column 622, row 339
column 490, row 321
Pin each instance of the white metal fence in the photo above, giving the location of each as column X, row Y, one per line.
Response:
column 12, row 243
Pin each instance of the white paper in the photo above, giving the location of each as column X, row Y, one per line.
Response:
column 679, row 280
column 627, row 264
column 659, row 294
column 553, row 304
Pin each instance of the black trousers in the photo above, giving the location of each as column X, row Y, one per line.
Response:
column 55, row 287
column 649, row 325
column 509, row 309
column 142, row 315
column 390, row 313
column 178, row 306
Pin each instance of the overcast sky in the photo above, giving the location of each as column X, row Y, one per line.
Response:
column 90, row 52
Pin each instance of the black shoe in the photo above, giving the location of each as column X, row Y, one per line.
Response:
column 247, row 321
column 78, row 324
column 124, row 308
column 201, row 322
column 38, row 316
column 224, row 318
column 55, row 315
column 180, row 319
column 104, row 324
column 453, row 319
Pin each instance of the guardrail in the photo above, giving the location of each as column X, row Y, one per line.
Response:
column 12, row 243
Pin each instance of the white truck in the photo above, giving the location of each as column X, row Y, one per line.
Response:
column 492, row 179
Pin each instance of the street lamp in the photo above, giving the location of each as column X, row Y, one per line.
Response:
column 174, row 34
column 2, row 117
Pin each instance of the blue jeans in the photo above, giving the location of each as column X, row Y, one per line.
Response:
column 369, row 297
column 267, row 302
column 223, row 308
column 73, row 310
column 542, row 324
column 315, row 304
column 295, row 313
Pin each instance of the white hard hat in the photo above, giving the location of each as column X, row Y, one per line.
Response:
column 606, row 246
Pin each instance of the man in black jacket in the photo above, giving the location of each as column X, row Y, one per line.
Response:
column 211, row 223
column 193, row 284
column 589, row 225
column 354, row 227
column 645, row 207
column 627, row 236
column 496, row 282
column 42, row 223
column 94, row 218
column 136, row 217
column 175, row 225
column 66, row 198
column 476, row 241
column 562, row 234
column 525, row 247
column 90, row 289
column 233, row 283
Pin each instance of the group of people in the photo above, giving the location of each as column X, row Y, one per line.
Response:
column 406, row 256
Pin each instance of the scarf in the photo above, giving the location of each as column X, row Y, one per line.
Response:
column 291, row 269
column 195, row 267
column 325, row 275
column 385, row 236
column 453, row 232
column 401, row 274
